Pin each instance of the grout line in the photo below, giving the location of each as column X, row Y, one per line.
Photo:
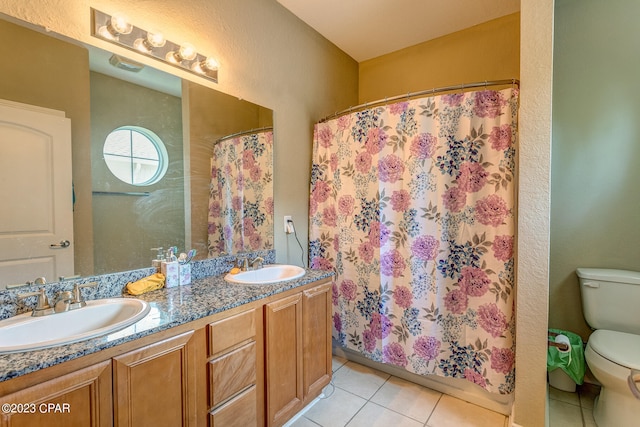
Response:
column 433, row 410
column 312, row 422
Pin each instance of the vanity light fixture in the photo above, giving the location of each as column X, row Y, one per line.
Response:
column 117, row 30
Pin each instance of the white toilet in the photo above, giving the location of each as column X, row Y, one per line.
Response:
column 611, row 306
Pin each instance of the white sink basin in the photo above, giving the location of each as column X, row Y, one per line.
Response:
column 271, row 273
column 98, row 317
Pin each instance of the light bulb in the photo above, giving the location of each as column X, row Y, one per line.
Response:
column 156, row 39
column 120, row 24
column 142, row 45
column 205, row 66
column 173, row 57
column 146, row 45
column 187, row 52
column 117, row 25
column 210, row 64
column 105, row 33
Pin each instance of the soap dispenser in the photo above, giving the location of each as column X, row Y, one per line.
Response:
column 171, row 269
column 157, row 262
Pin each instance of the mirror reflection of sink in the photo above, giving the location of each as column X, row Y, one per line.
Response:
column 271, row 273
column 98, row 317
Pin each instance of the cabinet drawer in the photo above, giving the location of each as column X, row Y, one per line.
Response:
column 238, row 412
column 231, row 373
column 231, row 331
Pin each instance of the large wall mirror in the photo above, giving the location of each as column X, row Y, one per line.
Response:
column 152, row 159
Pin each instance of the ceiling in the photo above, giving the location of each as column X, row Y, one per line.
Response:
column 365, row 29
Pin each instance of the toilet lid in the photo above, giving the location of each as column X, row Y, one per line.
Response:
column 619, row 347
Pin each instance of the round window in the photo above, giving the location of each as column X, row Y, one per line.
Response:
column 135, row 155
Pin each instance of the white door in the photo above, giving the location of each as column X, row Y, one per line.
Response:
column 36, row 195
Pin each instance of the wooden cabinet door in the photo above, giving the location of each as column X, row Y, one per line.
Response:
column 78, row 399
column 316, row 327
column 158, row 385
column 283, row 332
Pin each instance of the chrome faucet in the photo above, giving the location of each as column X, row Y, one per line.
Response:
column 64, row 300
column 42, row 308
column 78, row 300
column 259, row 260
column 63, row 303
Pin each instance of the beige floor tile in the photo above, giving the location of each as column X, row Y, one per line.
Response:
column 407, row 398
column 336, row 410
column 372, row 415
column 564, row 396
column 302, row 422
column 563, row 414
column 359, row 380
column 587, row 416
column 337, row 362
column 452, row 412
column 587, row 393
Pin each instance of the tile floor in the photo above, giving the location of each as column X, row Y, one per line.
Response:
column 365, row 397
column 572, row 409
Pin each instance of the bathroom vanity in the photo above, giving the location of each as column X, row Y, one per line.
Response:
column 212, row 353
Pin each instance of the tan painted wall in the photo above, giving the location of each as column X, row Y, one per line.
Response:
column 595, row 202
column 489, row 51
column 32, row 75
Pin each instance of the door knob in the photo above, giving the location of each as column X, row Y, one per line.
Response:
column 61, row 245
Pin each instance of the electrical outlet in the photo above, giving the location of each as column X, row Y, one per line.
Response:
column 287, row 227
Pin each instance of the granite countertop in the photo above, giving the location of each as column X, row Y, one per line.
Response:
column 169, row 308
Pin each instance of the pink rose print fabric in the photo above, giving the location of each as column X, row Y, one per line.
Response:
column 241, row 194
column 412, row 206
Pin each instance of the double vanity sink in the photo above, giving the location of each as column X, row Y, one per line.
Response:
column 98, row 317
column 251, row 348
column 266, row 275
column 104, row 316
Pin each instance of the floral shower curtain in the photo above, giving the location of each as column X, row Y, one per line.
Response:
column 241, row 194
column 412, row 204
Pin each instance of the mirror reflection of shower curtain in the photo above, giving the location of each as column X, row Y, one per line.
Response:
column 412, row 204
column 241, row 194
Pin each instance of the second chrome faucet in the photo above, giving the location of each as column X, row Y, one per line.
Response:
column 244, row 264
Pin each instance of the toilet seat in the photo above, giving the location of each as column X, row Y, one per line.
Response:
column 620, row 348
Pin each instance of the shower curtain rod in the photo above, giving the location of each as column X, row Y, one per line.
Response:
column 424, row 92
column 246, row 132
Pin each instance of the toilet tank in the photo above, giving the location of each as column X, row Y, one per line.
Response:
column 610, row 299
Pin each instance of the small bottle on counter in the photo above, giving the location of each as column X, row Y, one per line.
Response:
column 157, row 262
column 171, row 270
